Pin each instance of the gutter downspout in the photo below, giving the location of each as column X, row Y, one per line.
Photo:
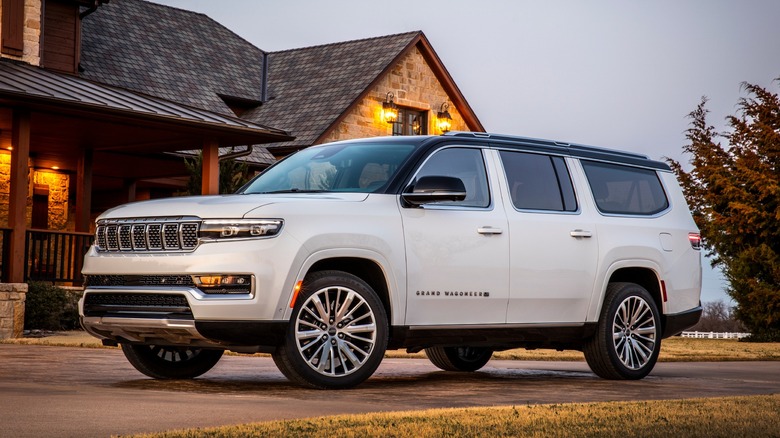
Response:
column 92, row 8
column 264, row 79
column 231, row 155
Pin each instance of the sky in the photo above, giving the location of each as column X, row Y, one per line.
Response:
column 617, row 74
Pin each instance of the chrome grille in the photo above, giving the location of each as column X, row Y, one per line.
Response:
column 153, row 234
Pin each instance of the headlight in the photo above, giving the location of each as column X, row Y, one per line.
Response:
column 218, row 229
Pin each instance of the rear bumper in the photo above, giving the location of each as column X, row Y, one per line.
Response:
column 676, row 323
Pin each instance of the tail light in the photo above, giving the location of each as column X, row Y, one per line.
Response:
column 695, row 239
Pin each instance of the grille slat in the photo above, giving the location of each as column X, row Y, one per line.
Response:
column 138, row 280
column 161, row 234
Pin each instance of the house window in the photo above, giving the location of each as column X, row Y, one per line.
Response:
column 411, row 122
column 13, row 27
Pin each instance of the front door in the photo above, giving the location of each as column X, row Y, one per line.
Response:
column 457, row 252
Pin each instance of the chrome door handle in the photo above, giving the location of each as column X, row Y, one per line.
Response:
column 580, row 233
column 489, row 230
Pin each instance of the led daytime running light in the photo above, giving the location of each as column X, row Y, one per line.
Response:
column 240, row 228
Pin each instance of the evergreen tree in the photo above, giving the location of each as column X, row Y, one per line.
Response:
column 734, row 194
column 232, row 175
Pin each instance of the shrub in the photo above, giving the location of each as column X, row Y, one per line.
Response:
column 49, row 307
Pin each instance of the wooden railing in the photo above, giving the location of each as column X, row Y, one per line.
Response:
column 5, row 247
column 55, row 256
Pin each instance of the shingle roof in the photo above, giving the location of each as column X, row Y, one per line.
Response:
column 34, row 85
column 171, row 53
column 189, row 58
column 311, row 87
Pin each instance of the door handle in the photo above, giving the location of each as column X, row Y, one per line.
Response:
column 489, row 230
column 580, row 233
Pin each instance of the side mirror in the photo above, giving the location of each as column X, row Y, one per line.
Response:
column 430, row 189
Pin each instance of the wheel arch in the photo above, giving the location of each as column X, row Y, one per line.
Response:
column 366, row 265
column 645, row 277
column 642, row 273
column 365, row 269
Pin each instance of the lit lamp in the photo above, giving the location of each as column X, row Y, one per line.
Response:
column 444, row 119
column 389, row 109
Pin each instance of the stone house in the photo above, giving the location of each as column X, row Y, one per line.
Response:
column 99, row 100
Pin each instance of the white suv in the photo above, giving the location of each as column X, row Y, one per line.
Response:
column 459, row 245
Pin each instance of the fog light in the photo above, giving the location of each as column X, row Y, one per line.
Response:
column 223, row 283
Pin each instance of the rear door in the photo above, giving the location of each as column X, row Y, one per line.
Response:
column 553, row 243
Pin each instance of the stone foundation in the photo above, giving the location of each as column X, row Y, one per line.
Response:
column 12, row 296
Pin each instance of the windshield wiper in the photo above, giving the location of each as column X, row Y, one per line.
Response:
column 288, row 191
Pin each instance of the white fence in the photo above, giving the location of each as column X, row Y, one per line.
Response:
column 714, row 335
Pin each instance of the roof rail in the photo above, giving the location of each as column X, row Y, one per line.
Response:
column 572, row 147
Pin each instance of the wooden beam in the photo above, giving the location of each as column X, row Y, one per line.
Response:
column 84, row 192
column 17, row 200
column 210, row 168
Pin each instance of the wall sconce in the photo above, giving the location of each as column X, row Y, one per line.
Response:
column 389, row 109
column 443, row 118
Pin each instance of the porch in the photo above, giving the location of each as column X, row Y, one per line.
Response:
column 52, row 256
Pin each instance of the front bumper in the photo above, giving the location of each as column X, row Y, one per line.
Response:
column 242, row 336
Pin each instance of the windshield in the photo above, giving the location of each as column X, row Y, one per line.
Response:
column 338, row 167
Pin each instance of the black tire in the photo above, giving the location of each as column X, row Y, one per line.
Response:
column 337, row 343
column 628, row 339
column 165, row 362
column 459, row 358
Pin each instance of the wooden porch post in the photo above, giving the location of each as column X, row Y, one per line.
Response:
column 17, row 200
column 210, row 168
column 84, row 191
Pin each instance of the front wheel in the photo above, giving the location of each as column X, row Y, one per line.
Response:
column 337, row 335
column 459, row 358
column 628, row 339
column 165, row 362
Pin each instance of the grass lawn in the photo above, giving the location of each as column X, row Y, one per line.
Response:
column 673, row 349
column 755, row 416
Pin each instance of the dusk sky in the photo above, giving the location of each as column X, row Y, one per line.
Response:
column 618, row 74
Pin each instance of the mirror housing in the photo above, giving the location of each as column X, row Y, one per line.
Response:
column 430, row 189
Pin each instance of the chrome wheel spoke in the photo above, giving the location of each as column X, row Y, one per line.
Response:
column 634, row 332
column 335, row 331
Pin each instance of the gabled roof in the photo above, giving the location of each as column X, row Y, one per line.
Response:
column 312, row 87
column 189, row 58
column 178, row 55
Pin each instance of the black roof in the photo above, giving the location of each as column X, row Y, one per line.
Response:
column 178, row 55
column 424, row 142
column 311, row 87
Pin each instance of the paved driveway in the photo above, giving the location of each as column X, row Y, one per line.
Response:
column 58, row 391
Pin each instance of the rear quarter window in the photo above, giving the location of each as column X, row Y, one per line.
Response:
column 626, row 190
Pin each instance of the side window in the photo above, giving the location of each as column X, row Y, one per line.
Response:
column 625, row 190
column 466, row 164
column 538, row 182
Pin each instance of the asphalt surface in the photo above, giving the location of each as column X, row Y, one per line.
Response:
column 59, row 391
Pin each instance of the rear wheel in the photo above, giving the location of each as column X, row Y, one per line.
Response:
column 337, row 335
column 459, row 358
column 628, row 339
column 165, row 362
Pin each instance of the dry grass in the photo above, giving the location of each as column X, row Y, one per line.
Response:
column 672, row 350
column 754, row 416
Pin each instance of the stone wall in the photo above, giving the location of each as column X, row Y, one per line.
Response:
column 414, row 85
column 12, row 296
column 60, row 215
column 32, row 32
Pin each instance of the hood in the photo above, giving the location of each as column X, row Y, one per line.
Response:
column 216, row 207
